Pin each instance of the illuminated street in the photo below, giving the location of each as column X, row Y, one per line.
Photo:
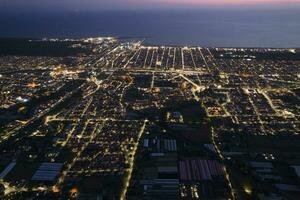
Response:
column 113, row 119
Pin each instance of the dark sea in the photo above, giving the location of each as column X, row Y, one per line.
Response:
column 215, row 28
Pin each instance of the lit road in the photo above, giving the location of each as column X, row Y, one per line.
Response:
column 131, row 162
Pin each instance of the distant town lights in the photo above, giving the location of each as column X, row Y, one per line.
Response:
column 248, row 190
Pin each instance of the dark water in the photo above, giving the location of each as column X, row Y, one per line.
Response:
column 272, row 28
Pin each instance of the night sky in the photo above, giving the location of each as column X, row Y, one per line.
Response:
column 23, row 5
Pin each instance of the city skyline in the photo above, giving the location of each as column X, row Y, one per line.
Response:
column 150, row 99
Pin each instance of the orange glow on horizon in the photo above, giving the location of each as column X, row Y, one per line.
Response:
column 215, row 2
